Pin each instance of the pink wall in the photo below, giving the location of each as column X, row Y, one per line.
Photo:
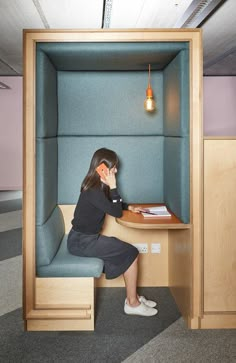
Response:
column 219, row 106
column 11, row 134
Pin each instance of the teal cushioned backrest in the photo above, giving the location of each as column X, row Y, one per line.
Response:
column 108, row 103
column 176, row 131
column 48, row 237
column 176, row 96
column 140, row 174
column 46, row 178
column 46, row 97
column 177, row 179
column 46, row 132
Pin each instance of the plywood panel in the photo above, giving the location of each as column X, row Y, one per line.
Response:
column 219, row 225
column 196, row 182
column 218, row 321
column 69, row 292
column 180, row 270
column 28, row 243
column 59, row 325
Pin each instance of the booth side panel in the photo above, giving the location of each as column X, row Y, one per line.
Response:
column 219, row 226
column 29, row 176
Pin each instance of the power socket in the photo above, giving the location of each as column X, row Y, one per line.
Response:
column 142, row 247
column 156, row 248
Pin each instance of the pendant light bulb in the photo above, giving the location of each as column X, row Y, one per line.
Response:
column 149, row 103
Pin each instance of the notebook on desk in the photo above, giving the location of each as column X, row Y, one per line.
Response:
column 156, row 211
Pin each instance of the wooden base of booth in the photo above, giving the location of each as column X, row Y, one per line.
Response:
column 218, row 321
column 68, row 303
column 62, row 304
column 59, row 325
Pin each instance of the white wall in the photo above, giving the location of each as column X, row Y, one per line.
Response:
column 11, row 134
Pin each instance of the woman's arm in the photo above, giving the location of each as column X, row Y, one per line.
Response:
column 99, row 200
column 110, row 180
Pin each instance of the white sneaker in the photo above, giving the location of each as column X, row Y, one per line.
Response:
column 141, row 309
column 149, row 303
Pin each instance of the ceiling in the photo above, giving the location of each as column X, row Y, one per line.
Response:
column 215, row 17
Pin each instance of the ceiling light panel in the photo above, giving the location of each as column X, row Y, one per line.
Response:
column 68, row 14
column 196, row 13
column 15, row 16
column 146, row 13
column 219, row 32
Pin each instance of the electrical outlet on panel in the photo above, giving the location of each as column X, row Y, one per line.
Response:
column 156, row 248
column 142, row 247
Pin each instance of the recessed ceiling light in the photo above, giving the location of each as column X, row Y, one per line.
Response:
column 197, row 11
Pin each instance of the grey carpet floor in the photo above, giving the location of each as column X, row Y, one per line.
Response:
column 116, row 335
column 10, row 243
column 10, row 205
column 177, row 344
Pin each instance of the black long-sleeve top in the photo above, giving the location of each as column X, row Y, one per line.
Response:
column 92, row 207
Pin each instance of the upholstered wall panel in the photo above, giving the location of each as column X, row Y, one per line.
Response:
column 176, row 96
column 46, row 178
column 93, row 109
column 48, row 237
column 106, row 56
column 46, row 97
column 140, row 174
column 176, row 176
column 108, row 103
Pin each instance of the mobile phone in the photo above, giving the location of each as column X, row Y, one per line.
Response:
column 102, row 169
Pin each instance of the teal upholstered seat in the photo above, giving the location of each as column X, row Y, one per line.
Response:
column 52, row 256
column 66, row 265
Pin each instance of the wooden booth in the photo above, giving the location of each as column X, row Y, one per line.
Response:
column 84, row 90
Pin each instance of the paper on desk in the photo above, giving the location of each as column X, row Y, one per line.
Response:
column 156, row 211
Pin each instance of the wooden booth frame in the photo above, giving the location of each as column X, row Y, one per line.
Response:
column 185, row 274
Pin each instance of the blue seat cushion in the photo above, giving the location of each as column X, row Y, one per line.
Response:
column 66, row 265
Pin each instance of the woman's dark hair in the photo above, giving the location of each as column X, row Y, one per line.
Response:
column 92, row 179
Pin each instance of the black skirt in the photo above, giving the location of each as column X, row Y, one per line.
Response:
column 116, row 254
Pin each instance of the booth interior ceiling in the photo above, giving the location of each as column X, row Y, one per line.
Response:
column 115, row 56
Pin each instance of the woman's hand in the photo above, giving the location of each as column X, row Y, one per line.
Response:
column 136, row 209
column 109, row 178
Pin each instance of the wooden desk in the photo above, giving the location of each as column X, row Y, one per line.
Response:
column 137, row 220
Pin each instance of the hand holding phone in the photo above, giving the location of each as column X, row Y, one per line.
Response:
column 102, row 170
column 107, row 176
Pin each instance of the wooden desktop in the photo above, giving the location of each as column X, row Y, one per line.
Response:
column 137, row 220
